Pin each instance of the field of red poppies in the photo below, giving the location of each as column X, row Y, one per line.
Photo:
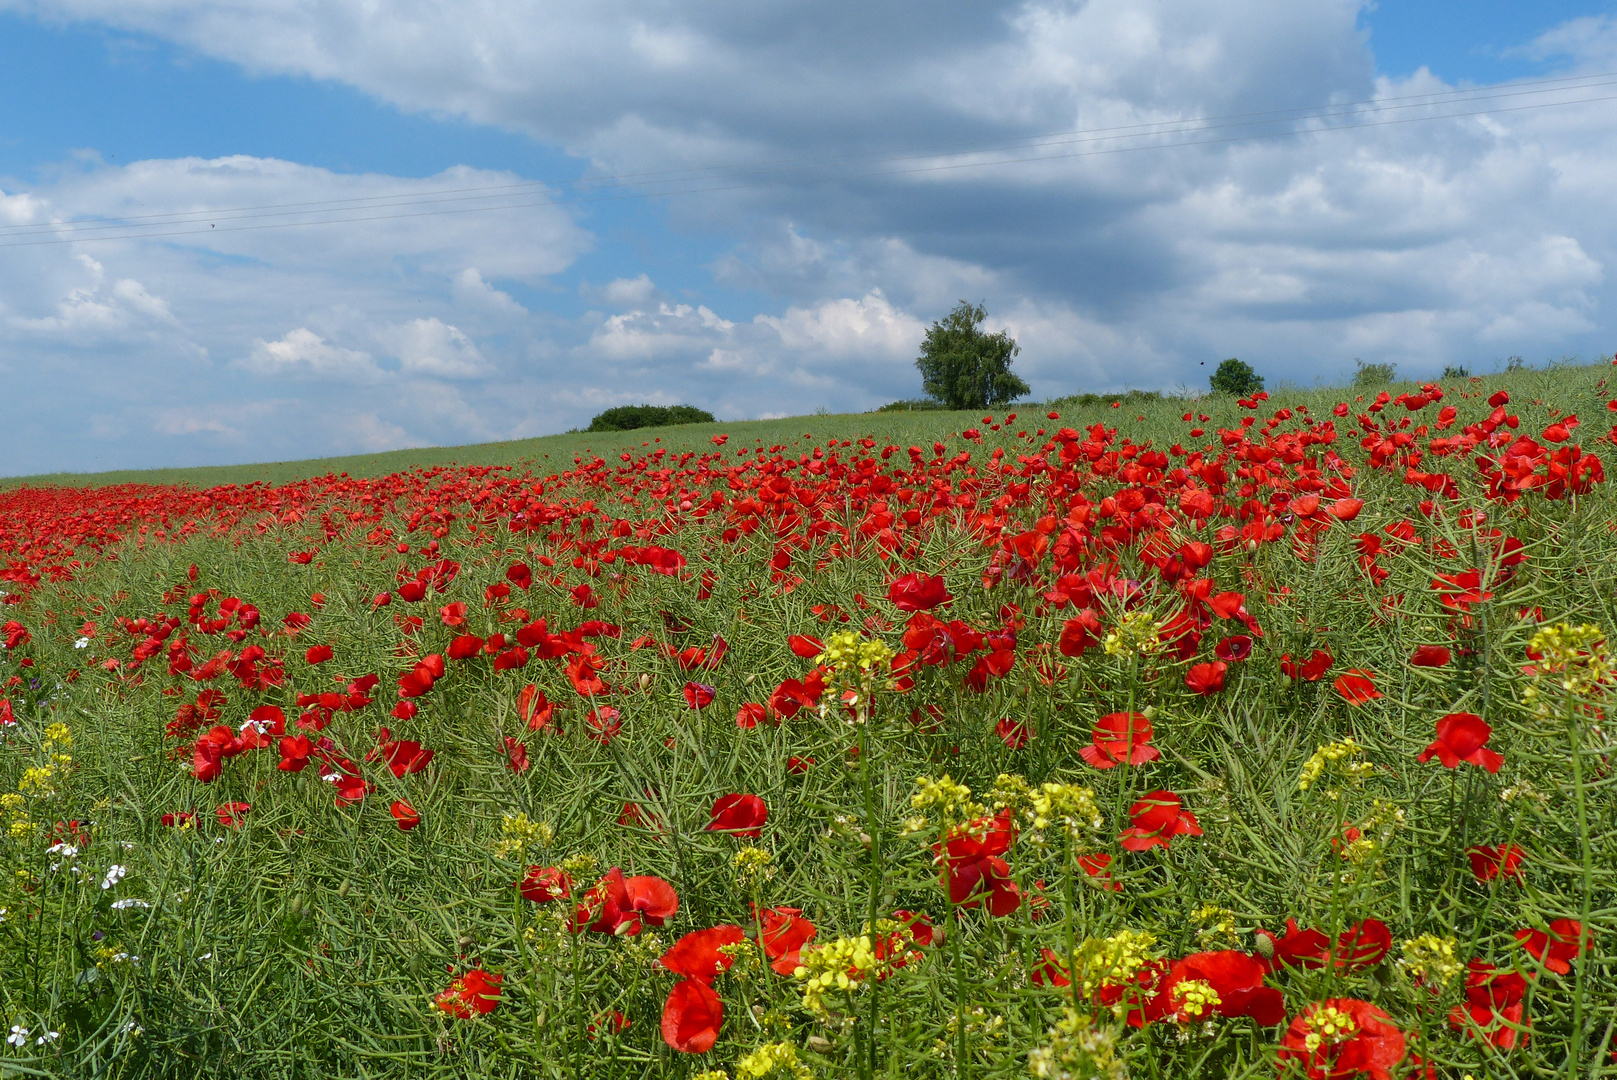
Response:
column 1224, row 739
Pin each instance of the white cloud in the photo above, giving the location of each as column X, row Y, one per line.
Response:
column 304, row 353
column 433, row 348
column 1452, row 240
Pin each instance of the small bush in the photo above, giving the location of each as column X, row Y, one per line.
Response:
column 1127, row 397
column 1515, row 364
column 630, row 417
column 1456, row 371
column 1235, row 377
column 912, row 405
column 1373, row 374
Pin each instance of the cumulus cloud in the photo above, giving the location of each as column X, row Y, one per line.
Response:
column 833, row 144
column 304, row 353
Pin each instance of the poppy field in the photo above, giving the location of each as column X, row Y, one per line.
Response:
column 1193, row 739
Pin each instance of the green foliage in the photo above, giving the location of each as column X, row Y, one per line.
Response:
column 1089, row 401
column 912, row 405
column 631, row 417
column 1515, row 364
column 965, row 367
column 1236, row 377
column 1455, row 371
column 1373, row 374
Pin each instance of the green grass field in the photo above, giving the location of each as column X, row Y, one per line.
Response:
column 1102, row 811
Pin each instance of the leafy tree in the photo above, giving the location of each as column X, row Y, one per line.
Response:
column 966, row 368
column 630, row 417
column 1456, row 371
column 1372, row 374
column 1236, row 377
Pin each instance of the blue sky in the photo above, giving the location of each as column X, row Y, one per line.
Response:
column 1447, row 240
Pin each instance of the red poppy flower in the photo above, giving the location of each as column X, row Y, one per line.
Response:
column 806, row 647
column 465, row 647
column 797, row 766
column 699, row 695
column 1227, row 605
column 350, row 788
column 750, row 715
column 1206, row 679
column 1430, row 656
column 1559, row 947
column 783, row 932
column 1352, row 1038
column 476, row 992
column 534, row 708
column 1080, row 633
column 697, row 956
column 1463, row 737
column 918, row 592
column 404, row 814
column 620, row 906
column 1310, row 670
column 1120, row 739
column 1234, row 649
column 1489, row 861
column 603, row 724
column 1362, row 945
column 516, row 755
column 1098, row 865
column 1013, row 733
column 1157, row 819
column 519, row 575
column 405, row 757
column 692, row 1016
column 973, row 870
column 180, row 819
column 1345, row 509
column 1237, row 983
column 741, row 814
column 542, row 884
column 1357, row 686
column 1051, row 970
column 1493, row 1009
column 318, row 654
column 295, row 751
column 232, row 814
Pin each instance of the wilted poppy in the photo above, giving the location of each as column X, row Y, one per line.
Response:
column 516, row 755
column 1463, row 737
column 699, row 695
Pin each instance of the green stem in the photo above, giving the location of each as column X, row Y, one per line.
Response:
column 1586, row 851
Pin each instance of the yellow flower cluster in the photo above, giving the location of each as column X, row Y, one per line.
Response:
column 1071, row 806
column 1136, row 634
column 1078, row 1049
column 1430, row 960
column 1328, row 1027
column 1575, row 657
column 837, row 966
column 1114, row 960
column 752, row 865
column 1219, row 923
column 772, row 1059
column 848, row 648
column 945, row 801
column 517, row 834
column 1330, row 753
column 1194, row 999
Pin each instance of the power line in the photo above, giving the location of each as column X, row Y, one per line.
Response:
column 374, row 203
